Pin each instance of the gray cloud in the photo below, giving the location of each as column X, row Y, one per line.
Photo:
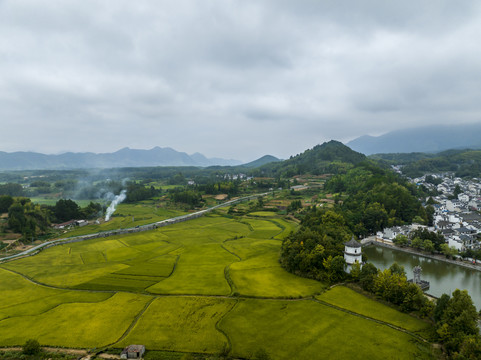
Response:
column 235, row 79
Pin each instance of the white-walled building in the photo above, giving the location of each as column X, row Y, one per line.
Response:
column 352, row 253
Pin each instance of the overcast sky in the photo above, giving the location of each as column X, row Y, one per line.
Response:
column 232, row 79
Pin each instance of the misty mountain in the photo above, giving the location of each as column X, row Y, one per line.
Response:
column 125, row 157
column 423, row 139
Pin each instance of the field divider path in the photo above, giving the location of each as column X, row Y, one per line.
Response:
column 173, row 267
column 418, row 337
column 134, row 322
column 229, row 343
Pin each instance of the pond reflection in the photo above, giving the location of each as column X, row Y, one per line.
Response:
column 443, row 277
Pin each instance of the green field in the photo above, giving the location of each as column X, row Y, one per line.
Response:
column 207, row 285
column 307, row 330
column 128, row 216
column 350, row 300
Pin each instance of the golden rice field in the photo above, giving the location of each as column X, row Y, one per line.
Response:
column 205, row 286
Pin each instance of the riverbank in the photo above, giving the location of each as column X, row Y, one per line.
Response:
column 379, row 242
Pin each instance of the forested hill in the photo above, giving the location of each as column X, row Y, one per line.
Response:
column 464, row 163
column 330, row 157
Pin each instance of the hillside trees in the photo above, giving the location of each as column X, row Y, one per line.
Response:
column 11, row 189
column 314, row 249
column 27, row 218
column 376, row 199
column 137, row 192
column 456, row 323
column 66, row 209
column 191, row 198
column 5, row 202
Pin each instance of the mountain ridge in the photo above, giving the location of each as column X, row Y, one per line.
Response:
column 124, row 157
column 427, row 139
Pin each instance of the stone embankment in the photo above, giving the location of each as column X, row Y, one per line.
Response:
column 35, row 250
column 373, row 240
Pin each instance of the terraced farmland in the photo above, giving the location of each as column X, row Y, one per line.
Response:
column 207, row 285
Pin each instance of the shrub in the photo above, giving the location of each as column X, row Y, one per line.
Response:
column 31, row 347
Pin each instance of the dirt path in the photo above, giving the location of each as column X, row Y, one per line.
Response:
column 77, row 352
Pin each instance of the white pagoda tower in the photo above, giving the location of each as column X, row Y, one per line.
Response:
column 352, row 253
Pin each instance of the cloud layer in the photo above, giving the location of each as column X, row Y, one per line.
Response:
column 235, row 79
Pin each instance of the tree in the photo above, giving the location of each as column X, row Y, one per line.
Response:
column 417, row 243
column 11, row 189
column 458, row 321
column 260, row 202
column 367, row 276
column 470, row 348
column 66, row 209
column 430, row 214
column 448, row 251
column 16, row 217
column 5, row 202
column 395, row 268
column 441, row 305
column 401, row 240
column 335, row 267
column 31, row 347
column 428, row 245
column 355, row 271
column 375, row 217
column 457, row 191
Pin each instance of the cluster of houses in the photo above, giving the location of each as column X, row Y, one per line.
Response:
column 458, row 219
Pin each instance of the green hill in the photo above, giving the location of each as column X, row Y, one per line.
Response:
column 330, row 157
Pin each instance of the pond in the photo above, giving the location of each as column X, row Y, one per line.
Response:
column 444, row 277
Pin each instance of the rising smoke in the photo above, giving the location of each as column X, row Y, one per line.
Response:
column 117, row 200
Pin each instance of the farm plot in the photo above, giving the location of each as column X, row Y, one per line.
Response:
column 186, row 324
column 22, row 297
column 71, row 265
column 264, row 229
column 307, row 330
column 260, row 274
column 76, row 324
column 348, row 299
column 200, row 271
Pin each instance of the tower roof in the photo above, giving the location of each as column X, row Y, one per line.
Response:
column 352, row 243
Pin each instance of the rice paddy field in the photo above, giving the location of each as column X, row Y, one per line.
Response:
column 128, row 216
column 206, row 286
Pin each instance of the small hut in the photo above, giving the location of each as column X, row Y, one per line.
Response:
column 133, row 352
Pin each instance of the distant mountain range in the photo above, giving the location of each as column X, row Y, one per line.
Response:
column 123, row 158
column 423, row 139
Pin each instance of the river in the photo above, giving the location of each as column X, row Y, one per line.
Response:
column 444, row 278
